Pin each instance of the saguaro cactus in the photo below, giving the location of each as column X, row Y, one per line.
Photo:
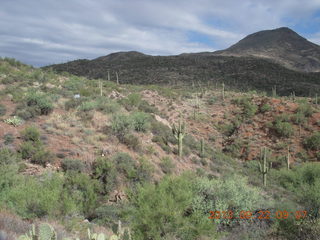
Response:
column 274, row 91
column 117, row 76
column 288, row 159
column 223, row 91
column 100, row 86
column 179, row 133
column 202, row 148
column 196, row 107
column 264, row 169
column 293, row 96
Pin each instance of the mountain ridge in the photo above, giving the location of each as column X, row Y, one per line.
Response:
column 282, row 45
column 235, row 67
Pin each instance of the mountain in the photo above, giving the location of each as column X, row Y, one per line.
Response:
column 244, row 66
column 281, row 45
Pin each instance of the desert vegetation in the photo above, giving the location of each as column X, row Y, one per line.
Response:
column 150, row 162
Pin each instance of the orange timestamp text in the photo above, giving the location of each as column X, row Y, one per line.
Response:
column 258, row 214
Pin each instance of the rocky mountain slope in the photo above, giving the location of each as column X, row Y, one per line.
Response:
column 260, row 61
column 281, row 45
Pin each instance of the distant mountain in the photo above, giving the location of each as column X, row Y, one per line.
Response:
column 260, row 61
column 281, row 45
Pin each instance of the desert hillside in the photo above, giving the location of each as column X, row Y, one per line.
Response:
column 79, row 153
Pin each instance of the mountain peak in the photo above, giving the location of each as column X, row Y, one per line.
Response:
column 282, row 45
column 121, row 56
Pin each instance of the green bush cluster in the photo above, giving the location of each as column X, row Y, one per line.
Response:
column 73, row 165
column 3, row 110
column 165, row 211
column 305, row 109
column 8, row 156
column 132, row 101
column 265, row 108
column 284, row 129
column 167, row 165
column 304, row 182
column 162, row 135
column 122, row 125
column 109, row 171
column 313, row 142
column 249, row 109
column 35, row 104
column 32, row 148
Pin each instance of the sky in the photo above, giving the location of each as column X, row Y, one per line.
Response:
column 43, row 32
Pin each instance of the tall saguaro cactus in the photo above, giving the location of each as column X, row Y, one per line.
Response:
column 274, row 91
column 202, row 148
column 100, row 86
column 288, row 159
column 264, row 169
column 223, row 91
column 179, row 133
column 117, row 77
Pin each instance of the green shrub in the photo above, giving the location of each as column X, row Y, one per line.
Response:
column 313, row 142
column 31, row 133
column 83, row 190
column 168, row 204
column 304, row 182
column 107, row 105
column 8, row 157
column 88, row 106
column 124, row 164
column 41, row 157
column 133, row 142
column 131, row 101
column 144, row 106
column 27, row 113
column 73, row 165
column 141, row 121
column 3, row 110
column 249, row 109
column 41, row 101
column 265, row 108
column 8, row 138
column 72, row 103
column 121, row 125
column 105, row 171
column 299, row 118
column 144, row 171
column 284, row 129
column 284, row 117
column 224, row 194
column 32, row 148
column 32, row 197
column 27, row 150
column 212, row 100
column 167, row 165
column 305, row 109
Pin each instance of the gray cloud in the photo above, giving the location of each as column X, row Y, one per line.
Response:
column 46, row 32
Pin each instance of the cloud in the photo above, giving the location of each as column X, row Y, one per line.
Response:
column 46, row 32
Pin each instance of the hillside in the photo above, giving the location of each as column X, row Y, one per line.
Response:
column 82, row 153
column 275, row 58
column 281, row 45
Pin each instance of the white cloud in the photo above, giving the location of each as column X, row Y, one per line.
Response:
column 43, row 32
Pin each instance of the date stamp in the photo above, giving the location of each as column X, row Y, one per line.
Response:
column 258, row 214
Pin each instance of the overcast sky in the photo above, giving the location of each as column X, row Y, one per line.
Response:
column 42, row 32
